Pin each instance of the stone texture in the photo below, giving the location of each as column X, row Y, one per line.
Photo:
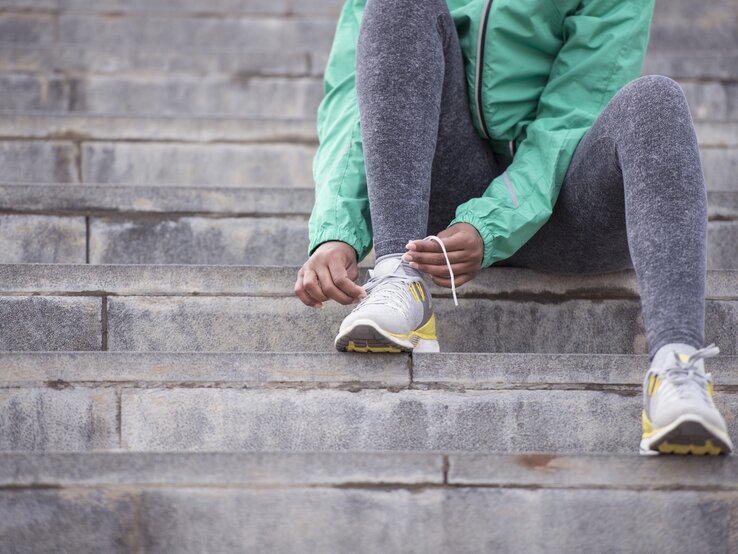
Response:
column 600, row 471
column 50, row 323
column 73, row 520
column 276, row 369
column 711, row 101
column 720, row 167
column 501, row 283
column 685, row 64
column 33, row 92
column 146, row 61
column 42, row 239
column 472, row 370
column 39, row 161
column 221, row 468
column 198, row 33
column 65, row 419
column 285, row 165
column 479, row 325
column 188, row 240
column 239, row 96
column 722, row 252
column 195, row 129
column 503, row 421
column 25, row 28
column 684, row 25
column 106, row 199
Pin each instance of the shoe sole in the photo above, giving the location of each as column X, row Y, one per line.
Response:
column 366, row 336
column 689, row 434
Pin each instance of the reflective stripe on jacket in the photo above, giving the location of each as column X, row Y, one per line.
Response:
column 548, row 69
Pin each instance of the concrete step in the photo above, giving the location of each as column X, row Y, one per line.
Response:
column 231, row 95
column 181, row 7
column 104, row 224
column 201, row 308
column 243, row 95
column 322, row 502
column 300, row 401
column 79, row 60
column 258, row 164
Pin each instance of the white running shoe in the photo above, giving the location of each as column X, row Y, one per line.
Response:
column 397, row 313
column 679, row 416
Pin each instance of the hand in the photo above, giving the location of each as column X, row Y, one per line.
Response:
column 465, row 249
column 329, row 273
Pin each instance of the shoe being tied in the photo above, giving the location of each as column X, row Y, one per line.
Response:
column 679, row 416
column 395, row 316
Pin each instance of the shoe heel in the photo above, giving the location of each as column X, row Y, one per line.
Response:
column 427, row 345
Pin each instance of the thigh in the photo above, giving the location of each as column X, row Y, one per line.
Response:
column 463, row 164
column 586, row 232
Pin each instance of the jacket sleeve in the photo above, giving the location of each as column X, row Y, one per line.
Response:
column 341, row 209
column 604, row 45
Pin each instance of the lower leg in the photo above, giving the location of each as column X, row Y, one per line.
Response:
column 419, row 144
column 666, row 210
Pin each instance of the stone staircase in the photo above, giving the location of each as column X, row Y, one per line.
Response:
column 161, row 388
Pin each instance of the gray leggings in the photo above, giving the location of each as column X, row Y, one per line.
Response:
column 633, row 196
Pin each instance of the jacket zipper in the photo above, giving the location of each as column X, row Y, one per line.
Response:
column 480, row 64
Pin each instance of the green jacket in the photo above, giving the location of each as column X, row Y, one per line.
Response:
column 548, row 69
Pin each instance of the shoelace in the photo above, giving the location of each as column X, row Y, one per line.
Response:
column 448, row 264
column 687, row 380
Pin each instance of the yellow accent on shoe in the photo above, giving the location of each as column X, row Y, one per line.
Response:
column 427, row 331
column 698, row 449
column 656, row 384
column 351, row 347
column 420, row 290
column 647, row 425
column 709, row 389
column 684, row 358
column 412, row 291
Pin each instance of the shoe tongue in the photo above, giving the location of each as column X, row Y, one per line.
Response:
column 392, row 264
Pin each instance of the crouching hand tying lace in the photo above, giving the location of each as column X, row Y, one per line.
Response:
column 465, row 250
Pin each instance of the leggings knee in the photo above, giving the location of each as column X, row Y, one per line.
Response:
column 653, row 93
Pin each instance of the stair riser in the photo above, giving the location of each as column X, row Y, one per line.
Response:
column 459, row 520
column 235, row 420
column 240, row 96
column 225, row 324
column 203, row 240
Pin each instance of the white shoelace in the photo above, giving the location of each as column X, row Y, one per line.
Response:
column 448, row 264
column 687, row 380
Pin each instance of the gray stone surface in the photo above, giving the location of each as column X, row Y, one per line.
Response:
column 42, row 239
column 197, row 33
column 50, row 323
column 110, row 60
column 198, row 240
column 478, row 325
column 25, row 28
column 285, row 165
column 723, row 205
column 67, row 521
column 58, row 419
column 224, row 7
column 39, row 161
column 468, row 370
column 687, row 64
column 723, row 246
column 33, row 92
column 238, row 96
column 221, row 468
column 502, row 421
column 76, row 199
column 720, row 167
column 684, row 25
column 711, row 101
column 195, row 129
column 275, row 369
column 627, row 472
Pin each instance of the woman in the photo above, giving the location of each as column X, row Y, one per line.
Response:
column 521, row 134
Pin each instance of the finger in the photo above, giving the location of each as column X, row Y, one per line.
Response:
column 340, row 277
column 457, row 241
column 446, row 283
column 329, row 287
column 442, row 270
column 435, row 258
column 312, row 286
column 302, row 294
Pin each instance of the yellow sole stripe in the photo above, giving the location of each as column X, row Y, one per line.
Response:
column 351, row 347
column 427, row 331
column 698, row 449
